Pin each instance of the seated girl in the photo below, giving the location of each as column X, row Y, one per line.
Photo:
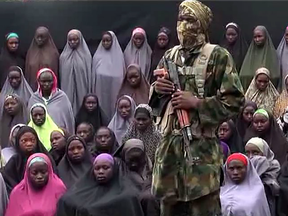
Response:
column 243, row 192
column 76, row 162
column 42, row 123
column 265, row 126
column 26, row 144
column 102, row 191
column 123, row 116
column 38, row 192
column 268, row 168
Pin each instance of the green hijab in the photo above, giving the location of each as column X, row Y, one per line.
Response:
column 44, row 131
column 258, row 57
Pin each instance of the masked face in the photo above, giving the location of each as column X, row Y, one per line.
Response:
column 189, row 29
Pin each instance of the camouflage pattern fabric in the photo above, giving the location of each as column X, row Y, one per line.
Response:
column 173, row 179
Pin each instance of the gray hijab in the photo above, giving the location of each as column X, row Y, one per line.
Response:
column 119, row 125
column 24, row 91
column 247, row 198
column 266, row 166
column 59, row 108
column 141, row 56
column 7, row 122
column 107, row 74
column 75, row 71
column 3, row 196
column 282, row 52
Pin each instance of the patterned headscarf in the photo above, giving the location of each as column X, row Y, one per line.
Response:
column 201, row 11
column 150, row 137
column 282, row 102
column 264, row 99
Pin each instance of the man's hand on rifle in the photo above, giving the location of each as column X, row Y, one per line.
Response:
column 185, row 100
column 164, row 86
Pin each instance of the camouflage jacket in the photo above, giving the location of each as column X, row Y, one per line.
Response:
column 173, row 178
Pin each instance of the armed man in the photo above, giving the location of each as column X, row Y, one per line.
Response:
column 197, row 89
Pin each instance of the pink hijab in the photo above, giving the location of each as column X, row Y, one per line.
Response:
column 24, row 200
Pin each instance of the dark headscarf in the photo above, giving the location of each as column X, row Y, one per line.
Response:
column 70, row 172
column 142, row 179
column 122, row 153
column 239, row 48
column 14, row 170
column 97, row 118
column 113, row 142
column 7, row 122
column 57, row 155
column 241, row 124
column 158, row 52
column 140, row 94
column 274, row 137
column 24, row 90
column 235, row 142
column 260, row 56
column 88, row 197
column 8, row 59
column 46, row 56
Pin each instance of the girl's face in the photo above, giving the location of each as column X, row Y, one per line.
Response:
column 262, row 81
column 236, row 171
column 11, row 106
column 124, row 108
column 259, row 37
column 224, row 131
column 28, row 143
column 103, row 171
column 138, row 40
column 13, row 44
column 248, row 113
column 107, row 41
column 76, row 151
column 261, row 123
column 14, row 78
column 84, row 131
column 252, row 150
column 162, row 40
column 38, row 175
column 90, row 103
column 231, row 35
column 142, row 121
column 73, row 40
column 133, row 77
column 57, row 140
column 38, row 116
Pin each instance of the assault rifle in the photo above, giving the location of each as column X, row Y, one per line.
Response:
column 182, row 114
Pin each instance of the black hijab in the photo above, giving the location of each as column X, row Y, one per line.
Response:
column 235, row 142
column 113, row 143
column 274, row 137
column 14, row 170
column 70, row 172
column 239, row 49
column 8, row 59
column 158, row 52
column 97, row 118
column 87, row 197
column 57, row 155
column 241, row 124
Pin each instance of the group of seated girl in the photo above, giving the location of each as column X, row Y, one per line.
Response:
column 255, row 150
column 72, row 179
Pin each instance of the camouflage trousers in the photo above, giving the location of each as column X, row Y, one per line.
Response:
column 208, row 205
